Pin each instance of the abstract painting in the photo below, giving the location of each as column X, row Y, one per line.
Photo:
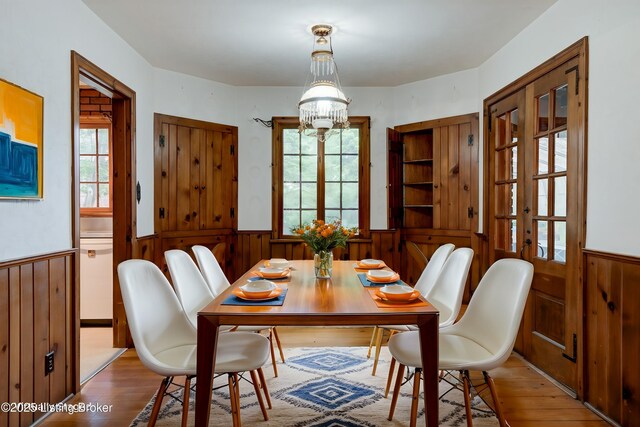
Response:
column 21, row 142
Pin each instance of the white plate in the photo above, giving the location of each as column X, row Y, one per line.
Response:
column 258, row 286
column 270, row 270
column 371, row 262
column 381, row 274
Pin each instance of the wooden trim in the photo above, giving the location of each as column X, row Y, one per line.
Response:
column 123, row 184
column 364, row 182
column 183, row 121
column 429, row 124
column 613, row 256
column 35, row 258
column 576, row 49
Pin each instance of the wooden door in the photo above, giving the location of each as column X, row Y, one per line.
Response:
column 196, row 176
column 536, row 209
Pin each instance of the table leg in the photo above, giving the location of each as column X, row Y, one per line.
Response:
column 207, row 343
column 428, row 326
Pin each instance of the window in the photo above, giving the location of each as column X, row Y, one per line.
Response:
column 324, row 180
column 95, row 168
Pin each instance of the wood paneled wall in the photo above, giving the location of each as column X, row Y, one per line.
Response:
column 37, row 315
column 256, row 245
column 612, row 332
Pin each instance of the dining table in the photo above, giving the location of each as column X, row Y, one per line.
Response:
column 341, row 300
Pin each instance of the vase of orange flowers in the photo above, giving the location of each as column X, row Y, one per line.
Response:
column 322, row 237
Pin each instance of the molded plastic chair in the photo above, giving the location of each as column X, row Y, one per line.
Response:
column 445, row 294
column 194, row 294
column 481, row 340
column 166, row 341
column 210, row 269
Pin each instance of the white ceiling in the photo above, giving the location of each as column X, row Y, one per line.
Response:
column 268, row 42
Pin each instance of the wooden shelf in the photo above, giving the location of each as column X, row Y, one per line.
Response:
column 418, row 206
column 417, row 161
column 419, row 183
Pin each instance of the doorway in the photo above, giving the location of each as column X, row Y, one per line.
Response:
column 535, row 161
column 103, row 205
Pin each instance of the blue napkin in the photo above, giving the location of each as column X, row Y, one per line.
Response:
column 234, row 300
column 368, row 283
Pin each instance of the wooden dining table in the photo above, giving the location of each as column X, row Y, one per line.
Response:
column 339, row 301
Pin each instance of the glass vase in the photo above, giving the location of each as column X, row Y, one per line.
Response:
column 323, row 264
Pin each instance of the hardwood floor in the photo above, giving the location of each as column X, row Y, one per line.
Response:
column 527, row 397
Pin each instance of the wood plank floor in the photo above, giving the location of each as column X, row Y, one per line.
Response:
column 527, row 397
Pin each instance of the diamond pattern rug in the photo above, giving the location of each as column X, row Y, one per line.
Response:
column 322, row 387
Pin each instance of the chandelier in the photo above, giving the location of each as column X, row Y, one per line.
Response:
column 323, row 105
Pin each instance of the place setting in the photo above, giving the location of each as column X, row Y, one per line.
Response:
column 257, row 292
column 369, row 264
column 273, row 269
column 392, row 295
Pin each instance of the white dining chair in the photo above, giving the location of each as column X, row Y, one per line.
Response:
column 166, row 341
column 480, row 341
column 445, row 294
column 424, row 283
column 210, row 269
column 194, row 294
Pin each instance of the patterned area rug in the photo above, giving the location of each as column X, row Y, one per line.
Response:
column 323, row 387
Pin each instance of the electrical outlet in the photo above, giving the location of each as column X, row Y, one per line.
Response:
column 48, row 363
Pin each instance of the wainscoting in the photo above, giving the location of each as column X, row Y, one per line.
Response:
column 256, row 245
column 37, row 315
column 612, row 332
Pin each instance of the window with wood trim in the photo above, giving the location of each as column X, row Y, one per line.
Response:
column 325, row 180
column 95, row 168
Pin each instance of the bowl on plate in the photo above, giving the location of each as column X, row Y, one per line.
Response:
column 370, row 262
column 278, row 263
column 381, row 274
column 258, row 288
column 397, row 292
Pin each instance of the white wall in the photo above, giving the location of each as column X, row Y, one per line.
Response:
column 613, row 148
column 36, row 37
column 254, row 193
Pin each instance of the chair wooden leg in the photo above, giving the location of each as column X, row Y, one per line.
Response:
column 185, row 400
column 373, row 338
column 275, row 335
column 415, row 398
column 158, row 403
column 263, row 384
column 273, row 353
column 496, row 402
column 236, row 380
column 256, row 387
column 392, row 366
column 378, row 347
column 466, row 382
column 232, row 400
column 396, row 391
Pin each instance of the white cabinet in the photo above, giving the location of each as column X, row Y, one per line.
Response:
column 96, row 278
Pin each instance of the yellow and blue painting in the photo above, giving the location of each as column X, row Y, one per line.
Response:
column 21, row 143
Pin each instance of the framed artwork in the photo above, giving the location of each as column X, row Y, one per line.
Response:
column 21, row 142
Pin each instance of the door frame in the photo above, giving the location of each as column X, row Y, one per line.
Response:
column 577, row 50
column 124, row 185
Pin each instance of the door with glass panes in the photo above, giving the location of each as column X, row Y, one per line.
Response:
column 535, row 161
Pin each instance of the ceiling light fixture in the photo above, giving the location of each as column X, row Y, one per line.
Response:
column 323, row 105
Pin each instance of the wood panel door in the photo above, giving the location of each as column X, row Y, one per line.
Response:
column 536, row 209
column 196, row 175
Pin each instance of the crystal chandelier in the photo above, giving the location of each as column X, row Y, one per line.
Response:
column 323, row 105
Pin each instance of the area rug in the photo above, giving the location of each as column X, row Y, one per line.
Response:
column 322, row 387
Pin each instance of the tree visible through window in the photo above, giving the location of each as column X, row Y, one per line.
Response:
column 95, row 168
column 322, row 179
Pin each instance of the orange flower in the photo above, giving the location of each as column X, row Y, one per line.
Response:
column 300, row 231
